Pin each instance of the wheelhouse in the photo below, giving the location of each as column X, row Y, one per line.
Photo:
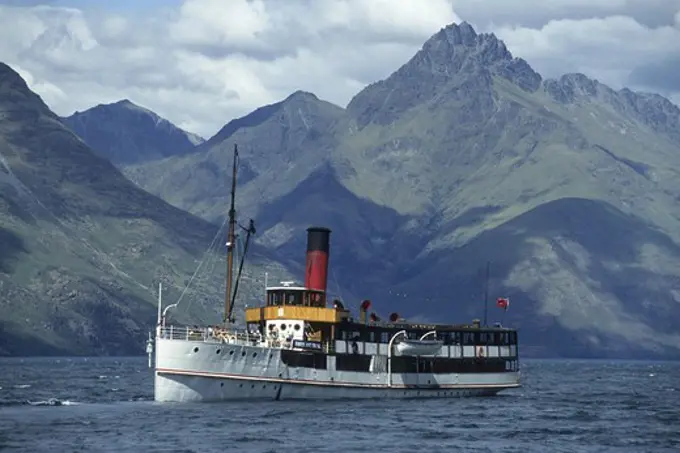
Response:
column 294, row 296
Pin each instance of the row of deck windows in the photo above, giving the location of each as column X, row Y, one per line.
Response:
column 467, row 338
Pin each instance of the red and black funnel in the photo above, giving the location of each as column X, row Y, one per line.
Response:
column 318, row 250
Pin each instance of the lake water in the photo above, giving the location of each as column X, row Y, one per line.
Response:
column 563, row 406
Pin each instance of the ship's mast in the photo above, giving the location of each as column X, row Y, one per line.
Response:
column 230, row 242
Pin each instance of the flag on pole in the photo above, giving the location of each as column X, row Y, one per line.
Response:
column 503, row 302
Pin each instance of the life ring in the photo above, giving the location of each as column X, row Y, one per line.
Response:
column 480, row 352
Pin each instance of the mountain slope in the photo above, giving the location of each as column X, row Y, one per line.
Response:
column 283, row 144
column 465, row 135
column 82, row 248
column 126, row 133
column 466, row 155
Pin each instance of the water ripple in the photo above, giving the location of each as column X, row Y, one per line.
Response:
column 106, row 405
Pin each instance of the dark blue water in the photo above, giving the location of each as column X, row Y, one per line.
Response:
column 564, row 406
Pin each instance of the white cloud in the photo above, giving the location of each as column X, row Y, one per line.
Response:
column 608, row 48
column 232, row 24
column 208, row 61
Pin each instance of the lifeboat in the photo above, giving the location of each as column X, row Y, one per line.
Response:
column 419, row 347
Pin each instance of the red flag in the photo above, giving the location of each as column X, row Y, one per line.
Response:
column 503, row 302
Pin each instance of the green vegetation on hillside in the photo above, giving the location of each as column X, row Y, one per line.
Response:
column 82, row 249
column 465, row 155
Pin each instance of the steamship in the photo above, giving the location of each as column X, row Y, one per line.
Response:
column 299, row 344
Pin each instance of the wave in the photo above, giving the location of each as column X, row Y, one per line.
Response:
column 47, row 402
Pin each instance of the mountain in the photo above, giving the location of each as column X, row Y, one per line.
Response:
column 82, row 248
column 126, row 133
column 282, row 144
column 466, row 155
column 563, row 184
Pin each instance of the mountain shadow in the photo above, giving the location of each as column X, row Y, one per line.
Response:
column 576, row 261
column 11, row 245
column 362, row 235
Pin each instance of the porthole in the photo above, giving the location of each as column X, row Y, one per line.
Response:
column 218, row 351
column 283, row 326
column 195, row 349
column 254, row 354
column 252, row 386
column 240, row 385
column 243, row 353
column 296, row 326
column 271, row 326
column 221, row 384
column 231, row 352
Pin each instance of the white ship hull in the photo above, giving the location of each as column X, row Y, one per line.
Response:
column 201, row 371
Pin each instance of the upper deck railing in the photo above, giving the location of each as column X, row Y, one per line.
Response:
column 222, row 335
column 208, row 334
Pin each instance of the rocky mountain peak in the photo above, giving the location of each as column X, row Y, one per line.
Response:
column 126, row 133
column 301, row 109
column 456, row 35
column 455, row 56
column 654, row 110
column 9, row 78
column 460, row 48
column 301, row 95
column 17, row 101
column 570, row 86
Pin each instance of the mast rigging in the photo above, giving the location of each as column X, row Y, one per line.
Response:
column 230, row 295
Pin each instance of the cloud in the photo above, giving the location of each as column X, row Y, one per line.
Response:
column 203, row 62
column 537, row 13
column 610, row 48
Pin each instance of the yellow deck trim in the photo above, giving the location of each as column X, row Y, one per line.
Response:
column 310, row 314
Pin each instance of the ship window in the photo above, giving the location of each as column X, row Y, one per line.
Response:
column 469, row 338
column 292, row 297
column 283, row 327
column 275, row 298
column 505, row 338
column 297, row 327
column 487, row 338
column 314, row 299
column 385, row 337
